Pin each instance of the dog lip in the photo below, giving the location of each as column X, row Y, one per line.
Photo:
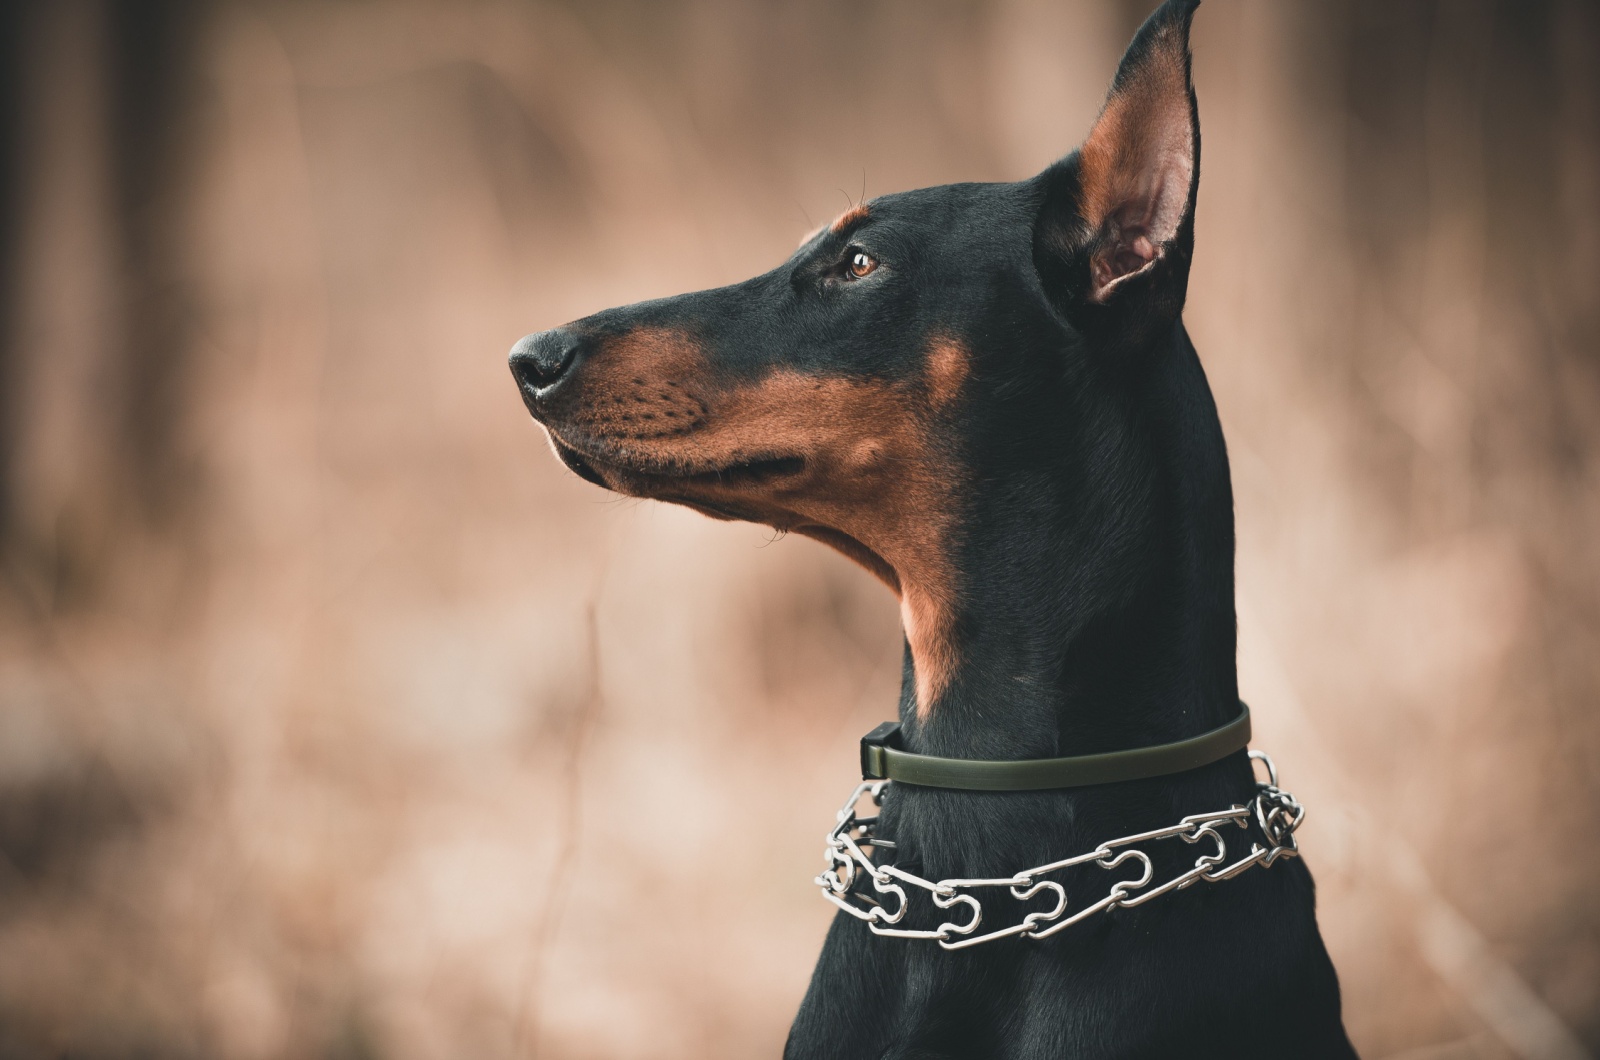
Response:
column 751, row 470
column 762, row 469
column 576, row 462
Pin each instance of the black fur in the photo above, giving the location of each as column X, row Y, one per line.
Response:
column 1093, row 610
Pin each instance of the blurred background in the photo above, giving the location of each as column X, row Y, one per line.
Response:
column 337, row 720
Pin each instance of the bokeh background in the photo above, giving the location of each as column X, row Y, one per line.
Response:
column 336, row 720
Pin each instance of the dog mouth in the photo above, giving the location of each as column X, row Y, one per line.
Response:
column 757, row 472
column 655, row 478
column 715, row 490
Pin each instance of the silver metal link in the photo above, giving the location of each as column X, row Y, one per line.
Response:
column 1274, row 812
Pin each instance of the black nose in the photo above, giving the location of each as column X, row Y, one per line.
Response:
column 538, row 361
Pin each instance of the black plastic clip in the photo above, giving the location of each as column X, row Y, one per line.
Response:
column 874, row 763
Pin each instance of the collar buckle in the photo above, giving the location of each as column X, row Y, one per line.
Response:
column 874, row 762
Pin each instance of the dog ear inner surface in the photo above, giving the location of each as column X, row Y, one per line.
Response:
column 1121, row 207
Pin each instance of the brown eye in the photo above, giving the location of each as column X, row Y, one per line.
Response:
column 861, row 263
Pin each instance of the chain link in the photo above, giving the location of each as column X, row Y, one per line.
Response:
column 1274, row 811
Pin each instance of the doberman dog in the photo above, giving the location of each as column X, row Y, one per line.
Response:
column 984, row 394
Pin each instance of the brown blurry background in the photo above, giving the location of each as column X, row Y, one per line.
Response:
column 336, row 720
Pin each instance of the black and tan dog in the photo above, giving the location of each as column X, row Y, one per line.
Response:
column 984, row 394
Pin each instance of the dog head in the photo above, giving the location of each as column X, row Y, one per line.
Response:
column 914, row 365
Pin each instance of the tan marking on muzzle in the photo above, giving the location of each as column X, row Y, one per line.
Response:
column 875, row 483
column 871, row 474
column 638, row 387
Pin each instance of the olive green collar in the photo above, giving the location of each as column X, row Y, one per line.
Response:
column 883, row 759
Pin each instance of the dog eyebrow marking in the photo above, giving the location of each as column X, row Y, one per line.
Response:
column 853, row 216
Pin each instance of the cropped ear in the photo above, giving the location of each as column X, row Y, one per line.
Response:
column 1116, row 226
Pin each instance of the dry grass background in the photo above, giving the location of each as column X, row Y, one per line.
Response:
column 337, row 720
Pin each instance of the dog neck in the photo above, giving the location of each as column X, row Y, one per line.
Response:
column 1096, row 613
